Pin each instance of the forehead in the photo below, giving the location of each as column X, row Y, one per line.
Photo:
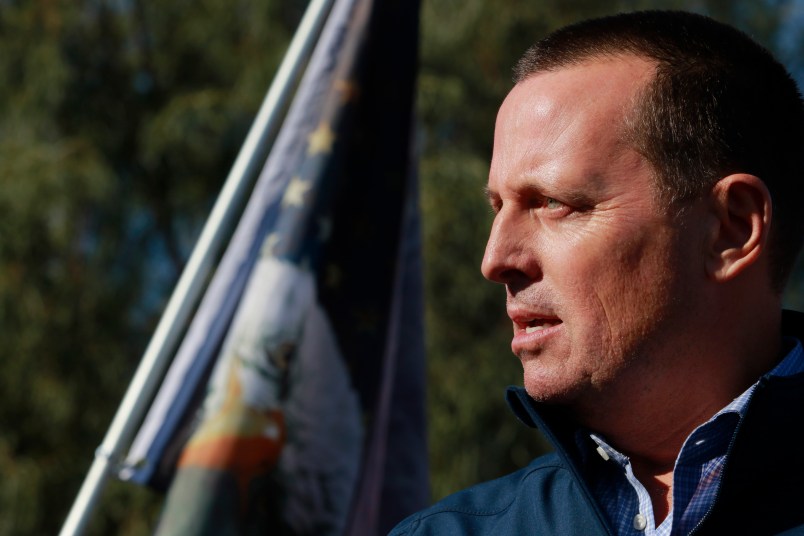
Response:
column 568, row 122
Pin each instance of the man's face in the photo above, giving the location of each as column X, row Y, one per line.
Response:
column 594, row 269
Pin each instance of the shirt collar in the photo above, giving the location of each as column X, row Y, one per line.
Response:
column 711, row 439
column 565, row 436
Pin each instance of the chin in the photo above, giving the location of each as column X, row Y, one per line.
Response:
column 551, row 391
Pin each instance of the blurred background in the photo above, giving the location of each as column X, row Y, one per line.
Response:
column 119, row 121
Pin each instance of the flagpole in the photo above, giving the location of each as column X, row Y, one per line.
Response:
column 187, row 291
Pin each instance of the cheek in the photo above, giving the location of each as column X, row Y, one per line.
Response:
column 638, row 293
column 615, row 283
column 585, row 265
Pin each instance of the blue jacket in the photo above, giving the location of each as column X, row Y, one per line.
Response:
column 762, row 491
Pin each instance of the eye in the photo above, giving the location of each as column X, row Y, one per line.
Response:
column 554, row 209
column 552, row 204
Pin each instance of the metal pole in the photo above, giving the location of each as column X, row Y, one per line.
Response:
column 187, row 292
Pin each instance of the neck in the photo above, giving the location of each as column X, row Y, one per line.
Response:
column 650, row 413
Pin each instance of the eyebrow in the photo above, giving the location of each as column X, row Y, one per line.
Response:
column 573, row 196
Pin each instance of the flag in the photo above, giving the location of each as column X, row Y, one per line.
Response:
column 306, row 353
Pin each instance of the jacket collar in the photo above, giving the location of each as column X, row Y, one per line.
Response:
column 553, row 421
column 559, row 428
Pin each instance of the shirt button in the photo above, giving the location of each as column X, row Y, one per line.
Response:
column 602, row 453
column 640, row 522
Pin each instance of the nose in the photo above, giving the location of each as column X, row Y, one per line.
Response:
column 510, row 256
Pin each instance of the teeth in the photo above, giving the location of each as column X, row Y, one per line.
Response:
column 531, row 329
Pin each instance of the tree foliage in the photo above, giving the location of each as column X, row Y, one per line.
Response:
column 118, row 123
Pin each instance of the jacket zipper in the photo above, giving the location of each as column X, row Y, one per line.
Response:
column 586, row 492
column 760, row 385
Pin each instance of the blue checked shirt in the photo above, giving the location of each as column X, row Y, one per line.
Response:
column 696, row 476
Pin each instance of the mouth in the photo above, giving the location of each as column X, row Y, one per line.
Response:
column 532, row 333
column 532, row 325
column 540, row 324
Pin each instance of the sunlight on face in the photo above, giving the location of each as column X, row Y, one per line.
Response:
column 594, row 269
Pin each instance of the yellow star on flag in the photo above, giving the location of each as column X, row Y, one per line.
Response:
column 295, row 192
column 347, row 89
column 321, row 140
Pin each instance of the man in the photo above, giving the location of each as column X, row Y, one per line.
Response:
column 644, row 182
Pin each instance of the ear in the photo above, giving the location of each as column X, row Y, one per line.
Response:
column 742, row 205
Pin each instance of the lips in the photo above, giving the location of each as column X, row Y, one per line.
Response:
column 532, row 329
column 531, row 322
